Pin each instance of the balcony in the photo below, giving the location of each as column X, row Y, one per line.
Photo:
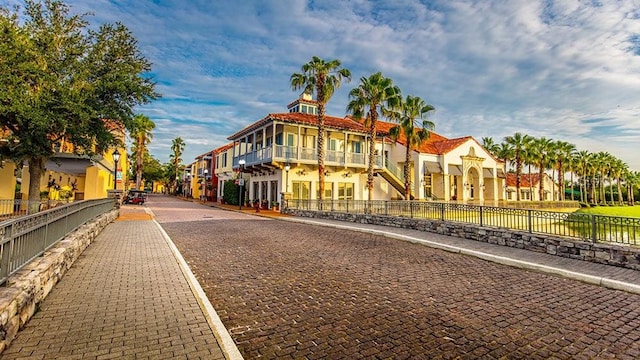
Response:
column 302, row 155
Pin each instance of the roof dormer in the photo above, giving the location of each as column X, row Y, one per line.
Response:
column 305, row 104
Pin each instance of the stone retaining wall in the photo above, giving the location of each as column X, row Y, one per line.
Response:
column 623, row 256
column 25, row 289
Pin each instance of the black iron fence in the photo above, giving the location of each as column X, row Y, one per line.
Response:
column 22, row 239
column 587, row 227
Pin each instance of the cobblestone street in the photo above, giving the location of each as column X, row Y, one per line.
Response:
column 289, row 290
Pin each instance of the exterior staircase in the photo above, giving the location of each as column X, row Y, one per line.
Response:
column 394, row 176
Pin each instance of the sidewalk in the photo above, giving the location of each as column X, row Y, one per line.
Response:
column 129, row 295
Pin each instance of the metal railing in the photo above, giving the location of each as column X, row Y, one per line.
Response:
column 586, row 227
column 27, row 237
column 14, row 208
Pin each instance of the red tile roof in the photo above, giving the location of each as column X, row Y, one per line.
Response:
column 526, row 180
column 436, row 144
column 331, row 122
column 223, row 148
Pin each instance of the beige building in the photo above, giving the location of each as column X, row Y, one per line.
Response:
column 278, row 154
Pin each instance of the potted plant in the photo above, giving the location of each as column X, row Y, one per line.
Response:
column 275, row 205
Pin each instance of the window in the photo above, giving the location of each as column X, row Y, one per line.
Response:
column 357, row 147
column 345, row 191
column 224, row 160
column 304, row 108
column 427, row 185
column 290, row 139
column 269, row 141
column 328, row 191
column 301, row 190
column 309, row 141
column 333, row 144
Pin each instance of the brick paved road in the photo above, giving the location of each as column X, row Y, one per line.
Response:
column 287, row 290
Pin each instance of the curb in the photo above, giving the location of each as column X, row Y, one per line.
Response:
column 227, row 345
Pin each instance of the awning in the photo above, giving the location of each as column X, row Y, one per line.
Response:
column 487, row 173
column 501, row 173
column 432, row 167
column 455, row 170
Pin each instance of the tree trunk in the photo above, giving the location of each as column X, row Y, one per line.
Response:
column 36, row 168
column 407, row 177
column 540, row 182
column 320, row 152
column 372, row 149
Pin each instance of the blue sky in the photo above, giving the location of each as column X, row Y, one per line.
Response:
column 567, row 70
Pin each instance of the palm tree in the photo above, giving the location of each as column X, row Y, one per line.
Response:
column 540, row 147
column 604, row 164
column 618, row 167
column 633, row 181
column 177, row 147
column 374, row 93
column 529, row 159
column 491, row 146
column 518, row 143
column 563, row 154
column 408, row 111
column 323, row 78
column 141, row 134
column 582, row 159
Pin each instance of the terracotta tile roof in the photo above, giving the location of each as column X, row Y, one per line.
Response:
column 331, row 122
column 436, row 144
column 526, row 180
column 223, row 148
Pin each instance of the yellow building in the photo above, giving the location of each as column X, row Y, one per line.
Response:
column 68, row 176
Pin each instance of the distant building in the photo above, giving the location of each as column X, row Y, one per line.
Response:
column 529, row 187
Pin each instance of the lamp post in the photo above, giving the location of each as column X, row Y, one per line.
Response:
column 204, row 185
column 287, row 167
column 116, row 158
column 241, row 162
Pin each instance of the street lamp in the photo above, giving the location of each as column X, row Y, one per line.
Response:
column 204, row 184
column 241, row 162
column 287, row 167
column 116, row 158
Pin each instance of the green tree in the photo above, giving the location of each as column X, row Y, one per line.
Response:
column 323, row 78
column 517, row 144
column 140, row 132
column 375, row 93
column 539, row 148
column 152, row 169
column 582, row 160
column 177, row 148
column 408, row 111
column 564, row 151
column 61, row 80
column 491, row 146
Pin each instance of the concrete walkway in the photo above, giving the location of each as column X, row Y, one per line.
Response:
column 130, row 295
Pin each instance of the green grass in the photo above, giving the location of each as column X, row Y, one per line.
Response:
column 626, row 211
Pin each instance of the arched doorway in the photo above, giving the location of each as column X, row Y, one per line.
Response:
column 472, row 186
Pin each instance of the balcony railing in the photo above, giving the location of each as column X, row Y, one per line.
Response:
column 24, row 238
column 284, row 153
column 586, row 227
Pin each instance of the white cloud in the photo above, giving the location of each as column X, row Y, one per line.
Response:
column 489, row 67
